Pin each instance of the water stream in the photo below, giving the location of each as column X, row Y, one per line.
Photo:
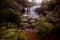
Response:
column 31, row 12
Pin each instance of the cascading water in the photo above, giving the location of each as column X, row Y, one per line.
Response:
column 31, row 12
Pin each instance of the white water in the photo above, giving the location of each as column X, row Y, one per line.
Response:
column 31, row 13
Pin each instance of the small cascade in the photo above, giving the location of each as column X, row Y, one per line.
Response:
column 30, row 12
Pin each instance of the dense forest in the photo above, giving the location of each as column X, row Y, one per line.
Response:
column 13, row 24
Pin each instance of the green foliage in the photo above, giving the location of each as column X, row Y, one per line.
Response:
column 44, row 27
column 9, row 15
column 9, row 33
column 13, row 34
column 54, row 19
column 9, row 21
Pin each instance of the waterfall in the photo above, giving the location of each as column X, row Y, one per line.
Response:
column 30, row 12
